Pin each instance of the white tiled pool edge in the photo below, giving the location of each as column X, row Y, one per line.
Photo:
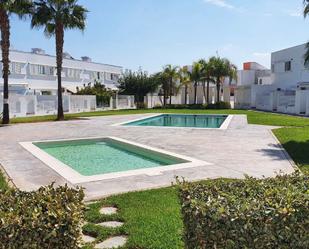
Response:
column 75, row 178
column 223, row 126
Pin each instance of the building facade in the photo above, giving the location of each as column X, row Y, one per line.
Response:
column 35, row 72
column 288, row 91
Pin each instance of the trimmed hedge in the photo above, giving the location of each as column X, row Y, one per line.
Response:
column 47, row 218
column 251, row 213
column 219, row 105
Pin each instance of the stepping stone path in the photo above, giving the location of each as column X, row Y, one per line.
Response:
column 87, row 239
column 108, row 210
column 113, row 242
column 111, row 224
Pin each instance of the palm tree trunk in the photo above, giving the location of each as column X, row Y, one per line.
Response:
column 59, row 54
column 5, row 47
column 218, row 92
column 207, row 91
column 195, row 92
column 171, row 80
column 186, row 94
column 204, row 90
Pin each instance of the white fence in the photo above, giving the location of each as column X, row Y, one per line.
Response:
column 272, row 98
column 31, row 105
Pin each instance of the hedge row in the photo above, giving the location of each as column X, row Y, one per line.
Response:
column 251, row 213
column 219, row 105
column 47, row 218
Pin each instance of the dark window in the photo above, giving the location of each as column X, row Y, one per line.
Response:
column 272, row 68
column 287, row 66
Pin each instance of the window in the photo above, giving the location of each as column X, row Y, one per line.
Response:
column 41, row 70
column 272, row 68
column 287, row 66
column 73, row 73
column 260, row 81
column 15, row 67
column 114, row 77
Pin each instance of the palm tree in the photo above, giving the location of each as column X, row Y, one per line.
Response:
column 206, row 77
column 306, row 13
column 7, row 7
column 184, row 79
column 222, row 68
column 195, row 75
column 171, row 73
column 56, row 16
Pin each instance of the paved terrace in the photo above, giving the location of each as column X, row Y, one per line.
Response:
column 241, row 149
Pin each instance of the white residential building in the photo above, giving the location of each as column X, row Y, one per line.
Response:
column 288, row 91
column 35, row 71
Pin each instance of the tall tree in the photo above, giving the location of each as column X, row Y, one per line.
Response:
column 56, row 16
column 171, row 73
column 195, row 75
column 184, row 79
column 222, row 68
column 306, row 13
column 206, row 78
column 138, row 84
column 7, row 7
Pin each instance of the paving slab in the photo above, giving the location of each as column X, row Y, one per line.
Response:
column 240, row 149
column 114, row 242
column 87, row 239
column 108, row 210
column 111, row 224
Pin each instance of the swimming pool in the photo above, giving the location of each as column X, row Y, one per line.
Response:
column 93, row 159
column 183, row 120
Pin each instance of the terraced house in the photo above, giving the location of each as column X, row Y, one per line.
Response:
column 35, row 72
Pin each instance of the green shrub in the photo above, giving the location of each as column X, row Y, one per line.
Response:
column 47, row 218
column 251, row 213
column 220, row 105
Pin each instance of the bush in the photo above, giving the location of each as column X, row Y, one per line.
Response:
column 269, row 213
column 220, row 105
column 47, row 218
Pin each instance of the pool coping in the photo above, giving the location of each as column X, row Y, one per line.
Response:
column 74, row 177
column 223, row 126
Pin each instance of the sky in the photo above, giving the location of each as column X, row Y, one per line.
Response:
column 153, row 33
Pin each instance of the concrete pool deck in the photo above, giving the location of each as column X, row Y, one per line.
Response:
column 231, row 153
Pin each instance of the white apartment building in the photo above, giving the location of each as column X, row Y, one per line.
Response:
column 288, row 91
column 35, row 72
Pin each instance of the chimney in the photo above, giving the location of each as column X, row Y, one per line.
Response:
column 66, row 55
column 86, row 59
column 37, row 51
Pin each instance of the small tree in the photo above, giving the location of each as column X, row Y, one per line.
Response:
column 138, row 84
column 7, row 7
column 56, row 16
column 103, row 94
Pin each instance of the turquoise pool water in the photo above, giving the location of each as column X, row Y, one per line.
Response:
column 100, row 156
column 174, row 120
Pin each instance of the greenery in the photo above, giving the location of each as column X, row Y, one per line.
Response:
column 296, row 142
column 251, row 213
column 47, row 218
column 55, row 17
column 3, row 183
column 216, row 106
column 152, row 219
column 138, row 84
column 103, row 94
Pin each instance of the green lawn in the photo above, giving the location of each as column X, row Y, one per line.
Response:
column 254, row 117
column 152, row 218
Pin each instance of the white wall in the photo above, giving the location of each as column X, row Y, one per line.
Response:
column 298, row 73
